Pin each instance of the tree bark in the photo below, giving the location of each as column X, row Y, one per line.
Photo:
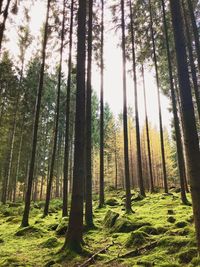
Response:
column 3, row 24
column 191, row 136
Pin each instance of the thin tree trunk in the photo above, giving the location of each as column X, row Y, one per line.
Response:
column 25, row 219
column 159, row 104
column 125, row 124
column 49, row 186
column 88, row 189
column 195, row 31
column 116, row 163
column 75, row 228
column 137, row 125
column 3, row 24
column 179, row 146
column 101, row 178
column 147, row 135
column 66, row 149
column 191, row 136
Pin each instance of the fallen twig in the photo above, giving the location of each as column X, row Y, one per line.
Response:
column 93, row 257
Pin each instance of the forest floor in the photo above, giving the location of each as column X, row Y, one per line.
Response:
column 160, row 232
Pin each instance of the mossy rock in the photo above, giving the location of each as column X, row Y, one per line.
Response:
column 29, row 230
column 149, row 230
column 62, row 227
column 170, row 212
column 8, row 212
column 136, row 238
column 161, row 230
column 110, row 218
column 195, row 261
column 51, row 242
column 187, row 256
column 181, row 224
column 170, row 265
column 173, row 243
column 145, row 263
column 191, row 219
column 1, row 241
column 10, row 262
column 137, row 197
column 171, row 219
column 14, row 204
column 112, row 202
column 123, row 225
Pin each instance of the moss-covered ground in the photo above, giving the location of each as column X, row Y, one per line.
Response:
column 160, row 232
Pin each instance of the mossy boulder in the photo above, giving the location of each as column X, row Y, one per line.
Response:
column 136, row 238
column 51, row 242
column 171, row 219
column 110, row 218
column 173, row 243
column 62, row 227
column 10, row 262
column 181, row 224
column 137, row 197
column 52, row 227
column 170, row 212
column 187, row 256
column 123, row 225
column 149, row 230
column 112, row 202
column 29, row 230
column 1, row 240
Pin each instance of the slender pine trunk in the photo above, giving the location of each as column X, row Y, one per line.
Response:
column 3, row 24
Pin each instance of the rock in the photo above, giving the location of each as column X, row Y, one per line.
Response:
column 62, row 227
column 187, row 256
column 171, row 219
column 112, row 202
column 137, row 238
column 110, row 218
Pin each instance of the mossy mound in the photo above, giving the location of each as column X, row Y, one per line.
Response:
column 8, row 212
column 10, row 262
column 137, row 197
column 52, row 227
column 181, row 224
column 136, row 238
column 110, row 218
column 171, row 219
column 149, row 230
column 62, row 227
column 174, row 243
column 29, row 230
column 123, row 225
column 187, row 256
column 51, row 242
column 195, row 261
column 112, row 202
column 145, row 263
column 14, row 204
column 1, row 240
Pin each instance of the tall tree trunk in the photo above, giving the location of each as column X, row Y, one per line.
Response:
column 50, row 181
column 147, row 135
column 3, row 24
column 159, row 104
column 191, row 136
column 75, row 228
column 191, row 59
column 116, row 163
column 88, row 189
column 25, row 218
column 179, row 147
column 195, row 31
column 137, row 125
column 101, row 178
column 67, row 117
column 125, row 122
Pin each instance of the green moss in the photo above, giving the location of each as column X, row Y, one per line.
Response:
column 30, row 230
column 110, row 218
column 171, row 219
column 11, row 261
column 112, row 202
column 187, row 256
column 124, row 225
column 181, row 224
column 62, row 227
column 51, row 242
column 195, row 261
column 136, row 238
column 149, row 230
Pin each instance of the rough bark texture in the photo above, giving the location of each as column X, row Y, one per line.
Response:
column 191, row 136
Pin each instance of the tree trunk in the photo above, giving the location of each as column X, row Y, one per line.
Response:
column 195, row 31
column 3, row 24
column 88, row 189
column 191, row 136
column 25, row 218
column 179, row 147
column 137, row 125
column 147, row 135
column 66, row 150
column 49, row 186
column 159, row 104
column 101, row 178
column 75, row 228
column 125, row 124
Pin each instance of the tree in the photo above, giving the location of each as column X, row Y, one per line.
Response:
column 75, row 228
column 191, row 136
column 125, row 121
column 36, row 123
column 3, row 24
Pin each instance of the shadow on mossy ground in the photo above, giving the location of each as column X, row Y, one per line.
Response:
column 160, row 219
